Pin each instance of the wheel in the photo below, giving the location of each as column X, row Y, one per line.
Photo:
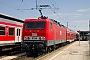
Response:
column 0, row 50
column 46, row 49
column 53, row 47
column 29, row 53
column 35, row 53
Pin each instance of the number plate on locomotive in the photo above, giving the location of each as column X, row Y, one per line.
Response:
column 34, row 37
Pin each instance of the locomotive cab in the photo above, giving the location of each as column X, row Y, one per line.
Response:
column 34, row 33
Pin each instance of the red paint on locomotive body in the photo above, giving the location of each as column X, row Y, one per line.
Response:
column 43, row 29
column 32, row 31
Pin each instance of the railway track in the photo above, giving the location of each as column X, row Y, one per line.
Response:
column 20, row 56
column 12, row 57
column 23, row 56
column 11, row 53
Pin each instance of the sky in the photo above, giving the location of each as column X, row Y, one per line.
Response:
column 75, row 12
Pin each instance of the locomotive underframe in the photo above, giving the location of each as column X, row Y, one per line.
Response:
column 34, row 47
column 40, row 46
column 33, row 44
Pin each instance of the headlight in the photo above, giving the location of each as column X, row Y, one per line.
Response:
column 42, row 38
column 25, row 38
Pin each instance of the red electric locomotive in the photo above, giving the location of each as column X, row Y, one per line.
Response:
column 10, row 32
column 42, row 34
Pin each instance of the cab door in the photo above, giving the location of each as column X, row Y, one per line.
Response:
column 18, row 34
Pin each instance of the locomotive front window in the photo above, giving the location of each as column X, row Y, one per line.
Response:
column 2, row 30
column 40, row 25
column 29, row 25
column 35, row 25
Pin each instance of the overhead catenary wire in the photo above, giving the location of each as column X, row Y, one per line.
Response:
column 64, row 16
column 26, row 6
column 52, row 9
column 14, row 8
column 55, row 3
column 52, row 4
column 55, row 12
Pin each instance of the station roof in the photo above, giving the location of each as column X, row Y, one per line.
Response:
column 85, row 32
column 11, row 18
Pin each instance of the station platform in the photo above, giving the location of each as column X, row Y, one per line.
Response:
column 73, row 51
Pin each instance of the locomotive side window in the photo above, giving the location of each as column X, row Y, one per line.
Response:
column 50, row 26
column 11, row 31
column 2, row 30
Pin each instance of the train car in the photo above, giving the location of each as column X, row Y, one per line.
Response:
column 10, row 32
column 74, row 35
column 42, row 35
column 70, row 35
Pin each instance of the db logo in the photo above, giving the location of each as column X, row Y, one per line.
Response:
column 34, row 34
column 60, row 32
